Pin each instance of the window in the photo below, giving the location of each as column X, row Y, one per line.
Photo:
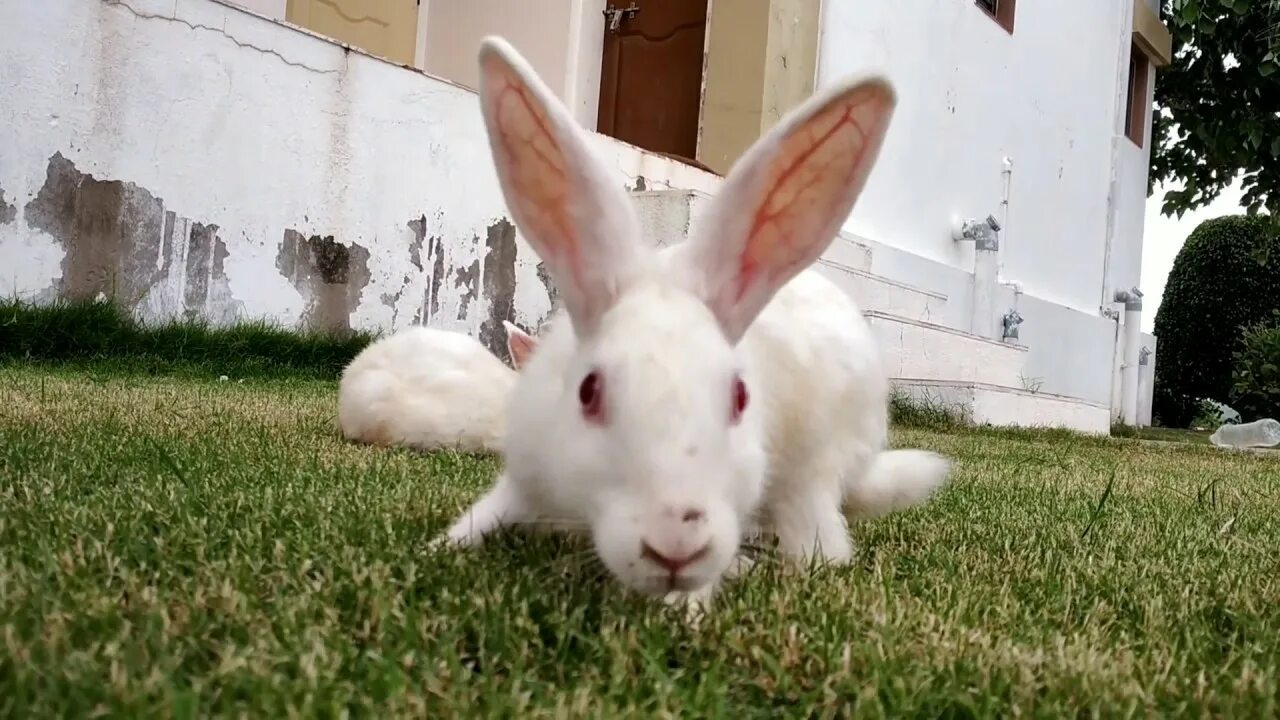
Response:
column 1000, row 10
column 1135, row 116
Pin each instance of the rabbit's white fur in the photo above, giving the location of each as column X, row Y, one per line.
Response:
column 429, row 389
column 896, row 480
column 624, row 420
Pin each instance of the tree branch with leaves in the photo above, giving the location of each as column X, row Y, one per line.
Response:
column 1217, row 114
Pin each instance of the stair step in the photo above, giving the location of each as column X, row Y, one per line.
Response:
column 878, row 294
column 667, row 216
column 918, row 349
column 986, row 404
column 848, row 252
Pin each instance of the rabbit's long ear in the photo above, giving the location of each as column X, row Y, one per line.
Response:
column 568, row 207
column 520, row 344
column 785, row 199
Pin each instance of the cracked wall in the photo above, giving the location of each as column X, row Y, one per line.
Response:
column 194, row 160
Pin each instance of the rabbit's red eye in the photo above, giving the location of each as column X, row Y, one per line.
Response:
column 740, row 398
column 591, row 396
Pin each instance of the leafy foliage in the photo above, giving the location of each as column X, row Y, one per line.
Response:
column 1225, row 279
column 1211, row 414
column 1218, row 104
column 1256, row 392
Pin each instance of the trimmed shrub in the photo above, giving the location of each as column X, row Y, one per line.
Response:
column 1256, row 389
column 1226, row 278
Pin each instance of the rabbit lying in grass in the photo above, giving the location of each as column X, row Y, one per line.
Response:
column 430, row 389
column 690, row 393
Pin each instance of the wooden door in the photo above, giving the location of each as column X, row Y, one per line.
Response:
column 387, row 28
column 651, row 74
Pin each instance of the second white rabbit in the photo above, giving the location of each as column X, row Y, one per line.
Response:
column 430, row 389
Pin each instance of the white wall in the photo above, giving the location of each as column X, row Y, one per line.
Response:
column 1133, row 166
column 241, row 131
column 971, row 94
column 208, row 117
column 274, row 9
column 561, row 39
column 586, row 48
column 1070, row 350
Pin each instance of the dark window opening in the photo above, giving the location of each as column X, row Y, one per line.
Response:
column 1000, row 10
column 1135, row 121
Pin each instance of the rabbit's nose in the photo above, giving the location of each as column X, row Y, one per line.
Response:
column 692, row 515
column 673, row 563
column 685, row 514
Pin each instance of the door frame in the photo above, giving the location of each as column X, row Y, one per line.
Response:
column 745, row 105
column 700, row 70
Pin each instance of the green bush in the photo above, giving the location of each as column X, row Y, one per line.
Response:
column 1209, row 416
column 1226, row 278
column 1256, row 390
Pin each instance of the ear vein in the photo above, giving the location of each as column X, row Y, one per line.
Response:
column 767, row 214
column 558, row 199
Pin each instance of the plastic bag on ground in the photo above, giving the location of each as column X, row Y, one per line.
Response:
column 1259, row 433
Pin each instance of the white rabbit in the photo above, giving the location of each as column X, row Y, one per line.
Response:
column 429, row 389
column 692, row 394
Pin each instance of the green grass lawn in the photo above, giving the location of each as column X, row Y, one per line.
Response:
column 182, row 546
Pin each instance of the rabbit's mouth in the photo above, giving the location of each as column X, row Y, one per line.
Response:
column 673, row 583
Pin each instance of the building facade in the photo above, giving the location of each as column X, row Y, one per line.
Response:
column 322, row 163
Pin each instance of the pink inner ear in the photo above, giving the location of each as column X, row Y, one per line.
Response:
column 521, row 347
column 536, row 166
column 803, row 193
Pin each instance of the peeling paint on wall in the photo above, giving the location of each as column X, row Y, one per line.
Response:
column 499, row 286
column 392, row 300
column 465, row 278
column 112, row 232
column 329, row 275
column 118, row 240
column 184, row 212
column 544, row 276
column 8, row 211
column 432, row 308
column 205, row 266
column 419, row 228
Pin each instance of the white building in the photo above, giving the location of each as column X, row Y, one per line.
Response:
column 200, row 157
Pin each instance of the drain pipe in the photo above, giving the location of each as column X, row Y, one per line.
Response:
column 1129, row 369
column 1145, row 379
column 986, row 255
column 1006, row 182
